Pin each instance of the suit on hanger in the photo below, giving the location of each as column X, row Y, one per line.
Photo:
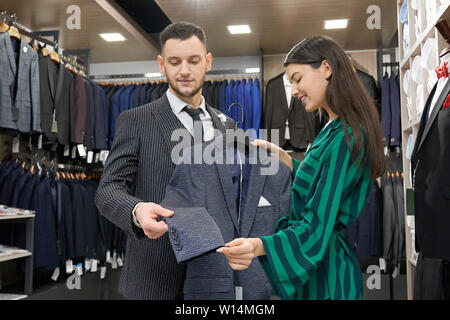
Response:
column 396, row 123
column 386, row 116
column 140, row 158
column 303, row 126
column 210, row 188
column 89, row 131
column 430, row 164
column 20, row 106
column 100, row 137
column 78, row 115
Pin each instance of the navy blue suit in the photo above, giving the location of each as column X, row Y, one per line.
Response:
column 386, row 110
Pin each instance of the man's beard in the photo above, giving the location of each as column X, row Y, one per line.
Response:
column 193, row 92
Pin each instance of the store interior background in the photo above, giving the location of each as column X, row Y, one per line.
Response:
column 276, row 26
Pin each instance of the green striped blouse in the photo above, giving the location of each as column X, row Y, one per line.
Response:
column 307, row 257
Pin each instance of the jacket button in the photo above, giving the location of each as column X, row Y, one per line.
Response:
column 172, row 230
column 178, row 248
column 176, row 241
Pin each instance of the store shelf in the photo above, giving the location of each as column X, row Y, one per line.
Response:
column 19, row 216
column 415, row 49
column 411, row 125
column 15, row 256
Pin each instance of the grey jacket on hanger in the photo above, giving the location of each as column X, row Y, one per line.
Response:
column 208, row 189
column 20, row 105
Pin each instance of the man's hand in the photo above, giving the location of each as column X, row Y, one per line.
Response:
column 147, row 214
column 241, row 251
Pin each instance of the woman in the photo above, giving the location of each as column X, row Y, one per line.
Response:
column 307, row 257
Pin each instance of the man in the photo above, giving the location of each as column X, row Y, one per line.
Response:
column 140, row 159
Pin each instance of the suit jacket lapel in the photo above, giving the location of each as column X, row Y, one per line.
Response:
column 255, row 188
column 60, row 81
column 215, row 119
column 226, row 181
column 168, row 122
column 10, row 52
column 51, row 77
column 434, row 113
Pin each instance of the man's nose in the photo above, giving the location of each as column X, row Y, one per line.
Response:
column 185, row 68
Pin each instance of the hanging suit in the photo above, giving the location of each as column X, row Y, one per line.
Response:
column 209, row 187
column 430, row 163
column 20, row 106
column 78, row 115
column 431, row 178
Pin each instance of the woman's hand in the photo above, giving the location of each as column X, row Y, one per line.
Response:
column 275, row 151
column 241, row 251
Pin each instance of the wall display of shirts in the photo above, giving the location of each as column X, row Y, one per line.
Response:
column 68, row 229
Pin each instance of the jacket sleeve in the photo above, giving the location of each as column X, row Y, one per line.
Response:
column 192, row 231
column 294, row 253
column 35, row 95
column 113, row 197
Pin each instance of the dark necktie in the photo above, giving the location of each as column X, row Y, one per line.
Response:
column 194, row 113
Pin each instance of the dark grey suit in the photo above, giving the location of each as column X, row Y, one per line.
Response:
column 209, row 187
column 140, row 157
column 20, row 106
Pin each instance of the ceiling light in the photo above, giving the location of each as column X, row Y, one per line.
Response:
column 112, row 37
column 153, row 75
column 252, row 70
column 335, row 24
column 240, row 29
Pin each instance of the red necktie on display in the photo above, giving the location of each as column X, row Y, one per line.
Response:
column 442, row 70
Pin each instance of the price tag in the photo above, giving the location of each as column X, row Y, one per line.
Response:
column 102, row 272
column 40, row 142
column 74, row 152
column 81, row 150
column 94, row 265
column 104, row 155
column 69, row 266
column 15, row 147
column 79, row 269
column 55, row 274
column 30, row 145
column 114, row 260
column 90, row 156
column 395, row 272
column 108, row 256
column 66, row 150
column 382, row 264
column 54, row 124
column 87, row 264
column 97, row 157
column 119, row 262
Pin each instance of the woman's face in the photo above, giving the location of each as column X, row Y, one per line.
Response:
column 309, row 85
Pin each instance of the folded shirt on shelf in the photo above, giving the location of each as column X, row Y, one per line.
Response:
column 5, row 211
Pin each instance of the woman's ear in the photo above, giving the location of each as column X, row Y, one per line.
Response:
column 326, row 69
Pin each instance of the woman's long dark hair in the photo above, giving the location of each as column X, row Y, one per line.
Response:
column 346, row 97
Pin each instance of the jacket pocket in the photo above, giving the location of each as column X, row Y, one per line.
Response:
column 198, row 285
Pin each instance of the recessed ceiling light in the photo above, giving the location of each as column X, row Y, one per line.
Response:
column 112, row 37
column 240, row 29
column 335, row 24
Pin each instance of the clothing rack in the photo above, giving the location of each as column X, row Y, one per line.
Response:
column 142, row 76
column 10, row 20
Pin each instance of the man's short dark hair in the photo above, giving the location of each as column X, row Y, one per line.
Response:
column 183, row 31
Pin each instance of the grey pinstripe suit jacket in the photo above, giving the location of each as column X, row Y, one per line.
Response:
column 141, row 156
column 23, row 112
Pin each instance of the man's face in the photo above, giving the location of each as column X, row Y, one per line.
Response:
column 185, row 63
